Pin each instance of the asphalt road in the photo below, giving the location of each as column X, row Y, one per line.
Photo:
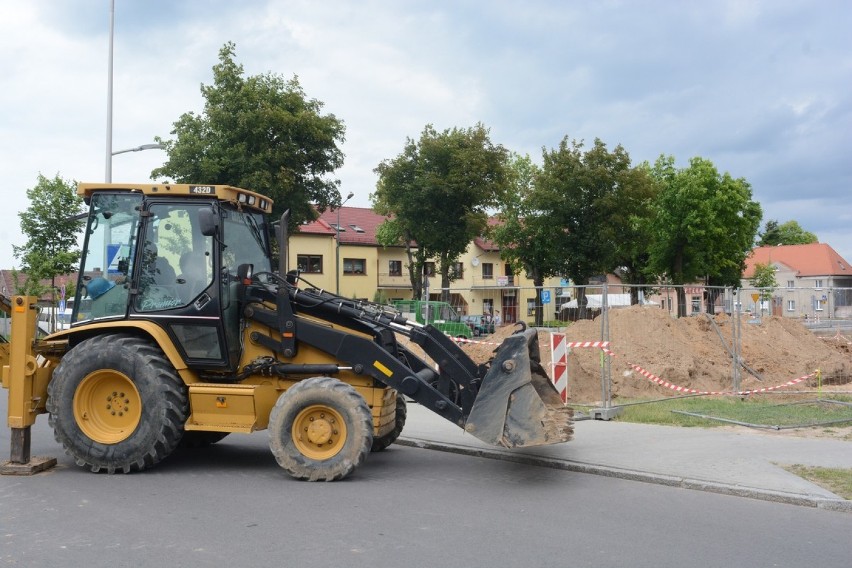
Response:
column 231, row 505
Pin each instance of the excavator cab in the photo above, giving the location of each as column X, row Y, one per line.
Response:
column 172, row 261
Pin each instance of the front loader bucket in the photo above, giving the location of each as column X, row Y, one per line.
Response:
column 517, row 404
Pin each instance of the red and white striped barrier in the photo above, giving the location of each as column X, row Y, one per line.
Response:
column 560, row 348
column 559, row 364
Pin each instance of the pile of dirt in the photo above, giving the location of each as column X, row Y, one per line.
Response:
column 691, row 352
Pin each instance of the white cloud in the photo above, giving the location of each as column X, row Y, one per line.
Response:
column 760, row 88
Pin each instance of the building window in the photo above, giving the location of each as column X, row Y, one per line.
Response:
column 791, row 305
column 354, row 266
column 457, row 271
column 817, row 305
column 310, row 263
column 487, row 271
column 818, row 284
column 696, row 304
column 791, row 283
column 394, row 268
column 429, row 268
column 531, row 307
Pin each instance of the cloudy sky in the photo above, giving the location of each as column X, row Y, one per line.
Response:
column 761, row 88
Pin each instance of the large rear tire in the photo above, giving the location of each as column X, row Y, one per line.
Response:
column 320, row 429
column 382, row 442
column 116, row 404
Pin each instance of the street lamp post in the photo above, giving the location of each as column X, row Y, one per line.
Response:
column 108, row 175
column 155, row 146
column 140, row 148
column 109, row 152
column 337, row 250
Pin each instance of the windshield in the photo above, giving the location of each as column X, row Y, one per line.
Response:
column 439, row 311
column 106, row 263
column 245, row 240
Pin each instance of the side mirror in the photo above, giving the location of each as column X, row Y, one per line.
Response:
column 208, row 221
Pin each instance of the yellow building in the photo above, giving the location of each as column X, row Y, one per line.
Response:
column 361, row 268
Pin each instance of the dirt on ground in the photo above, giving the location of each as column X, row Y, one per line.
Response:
column 689, row 352
column 694, row 352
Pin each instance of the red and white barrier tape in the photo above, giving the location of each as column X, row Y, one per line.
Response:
column 559, row 368
column 664, row 383
column 559, row 361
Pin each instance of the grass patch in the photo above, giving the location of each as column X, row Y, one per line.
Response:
column 761, row 411
column 838, row 481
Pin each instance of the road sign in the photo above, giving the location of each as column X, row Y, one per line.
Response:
column 754, row 297
column 545, row 296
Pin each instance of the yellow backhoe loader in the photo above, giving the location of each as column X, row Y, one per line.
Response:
column 182, row 333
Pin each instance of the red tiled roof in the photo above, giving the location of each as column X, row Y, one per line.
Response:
column 816, row 259
column 9, row 289
column 363, row 218
column 486, row 244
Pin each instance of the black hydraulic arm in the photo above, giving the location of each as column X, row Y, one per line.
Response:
column 368, row 358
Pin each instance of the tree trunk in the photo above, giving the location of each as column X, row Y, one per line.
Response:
column 681, row 301
column 445, row 279
column 538, row 282
column 415, row 273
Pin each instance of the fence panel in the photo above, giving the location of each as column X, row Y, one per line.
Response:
column 729, row 340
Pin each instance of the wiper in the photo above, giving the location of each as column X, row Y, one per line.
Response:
column 255, row 230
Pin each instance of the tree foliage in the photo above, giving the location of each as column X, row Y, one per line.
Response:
column 632, row 224
column 789, row 233
column 438, row 191
column 524, row 232
column 51, row 231
column 764, row 279
column 585, row 196
column 262, row 133
column 705, row 224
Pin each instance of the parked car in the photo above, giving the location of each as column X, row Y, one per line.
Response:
column 479, row 325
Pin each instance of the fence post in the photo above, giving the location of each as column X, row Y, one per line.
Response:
column 736, row 333
column 606, row 411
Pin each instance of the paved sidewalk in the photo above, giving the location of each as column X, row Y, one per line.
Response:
column 740, row 463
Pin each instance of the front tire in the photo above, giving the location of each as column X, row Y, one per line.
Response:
column 320, row 429
column 116, row 404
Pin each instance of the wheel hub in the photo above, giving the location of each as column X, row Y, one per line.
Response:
column 319, row 432
column 107, row 406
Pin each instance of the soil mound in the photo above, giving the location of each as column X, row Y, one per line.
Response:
column 692, row 352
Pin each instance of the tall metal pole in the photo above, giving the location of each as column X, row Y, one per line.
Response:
column 606, row 390
column 735, row 341
column 108, row 175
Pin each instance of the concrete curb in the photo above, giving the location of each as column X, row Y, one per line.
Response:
column 802, row 500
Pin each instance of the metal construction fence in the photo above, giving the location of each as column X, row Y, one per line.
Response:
column 628, row 343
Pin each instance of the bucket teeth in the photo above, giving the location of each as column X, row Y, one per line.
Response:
column 559, row 423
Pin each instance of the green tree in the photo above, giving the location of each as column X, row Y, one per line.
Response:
column 583, row 195
column 525, row 232
column 764, row 280
column 438, row 191
column 632, row 224
column 262, row 133
column 51, row 229
column 789, row 233
column 705, row 224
